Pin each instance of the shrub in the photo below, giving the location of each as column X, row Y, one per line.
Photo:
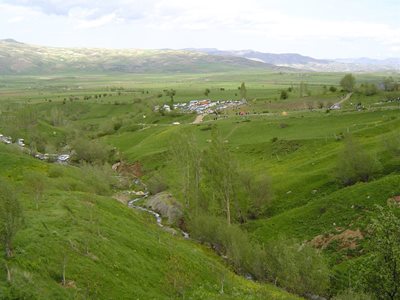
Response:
column 246, row 256
column 55, row 171
column 100, row 178
column 156, row 185
column 355, row 164
column 90, row 152
column 299, row 268
column 352, row 295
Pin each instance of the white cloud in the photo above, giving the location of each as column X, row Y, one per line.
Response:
column 16, row 19
column 99, row 22
column 226, row 23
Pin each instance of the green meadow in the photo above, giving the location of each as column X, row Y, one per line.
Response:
column 109, row 251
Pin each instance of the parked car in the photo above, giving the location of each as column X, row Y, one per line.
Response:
column 21, row 142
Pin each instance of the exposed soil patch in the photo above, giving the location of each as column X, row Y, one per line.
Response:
column 127, row 169
column 347, row 239
column 394, row 200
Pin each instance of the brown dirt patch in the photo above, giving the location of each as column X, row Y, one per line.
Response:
column 347, row 239
column 127, row 169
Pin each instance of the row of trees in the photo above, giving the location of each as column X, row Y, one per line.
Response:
column 388, row 84
column 214, row 183
column 219, row 196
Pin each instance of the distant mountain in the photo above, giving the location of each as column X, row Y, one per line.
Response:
column 302, row 62
column 388, row 63
column 20, row 58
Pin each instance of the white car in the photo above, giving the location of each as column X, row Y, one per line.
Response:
column 6, row 139
column 21, row 142
column 63, row 158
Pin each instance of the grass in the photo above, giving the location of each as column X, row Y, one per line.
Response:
column 110, row 251
column 297, row 149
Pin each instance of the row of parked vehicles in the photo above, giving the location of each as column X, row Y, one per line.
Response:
column 60, row 158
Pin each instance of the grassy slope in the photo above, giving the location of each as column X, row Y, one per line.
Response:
column 112, row 252
column 297, row 211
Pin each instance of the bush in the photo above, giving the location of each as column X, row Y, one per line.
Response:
column 100, row 178
column 55, row 171
column 352, row 295
column 90, row 152
column 156, row 185
column 299, row 268
column 355, row 164
column 230, row 241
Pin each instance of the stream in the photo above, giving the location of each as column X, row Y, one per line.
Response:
column 157, row 216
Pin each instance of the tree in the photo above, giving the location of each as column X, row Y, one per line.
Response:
column 348, row 82
column 258, row 192
column 36, row 185
column 186, row 157
column 284, row 95
column 389, row 84
column 355, row 164
column 381, row 272
column 243, row 91
column 171, row 94
column 207, row 92
column 332, row 89
column 303, row 89
column 369, row 89
column 220, row 173
column 90, row 151
column 10, row 217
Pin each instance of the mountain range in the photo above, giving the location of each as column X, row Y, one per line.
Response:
column 297, row 61
column 21, row 58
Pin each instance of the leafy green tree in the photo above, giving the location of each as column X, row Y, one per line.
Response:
column 220, row 174
column 207, row 92
column 369, row 89
column 36, row 185
column 389, row 84
column 90, row 151
column 381, row 271
column 11, row 218
column 186, row 158
column 171, row 94
column 257, row 194
column 284, row 95
column 243, row 91
column 332, row 89
column 348, row 82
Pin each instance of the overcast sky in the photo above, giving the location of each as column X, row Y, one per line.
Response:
column 319, row 28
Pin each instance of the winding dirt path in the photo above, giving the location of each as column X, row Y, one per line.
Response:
column 199, row 119
column 347, row 97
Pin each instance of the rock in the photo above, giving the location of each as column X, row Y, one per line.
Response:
column 167, row 206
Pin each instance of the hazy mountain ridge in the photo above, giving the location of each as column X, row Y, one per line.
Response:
column 19, row 58
column 297, row 61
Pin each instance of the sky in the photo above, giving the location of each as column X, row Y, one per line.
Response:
column 318, row 28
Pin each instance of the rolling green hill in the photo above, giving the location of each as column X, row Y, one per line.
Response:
column 107, row 250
